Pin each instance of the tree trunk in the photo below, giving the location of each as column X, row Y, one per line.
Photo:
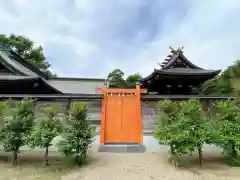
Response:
column 46, row 157
column 15, row 158
column 233, row 151
column 171, row 148
column 77, row 158
column 174, row 157
column 200, row 154
column 67, row 107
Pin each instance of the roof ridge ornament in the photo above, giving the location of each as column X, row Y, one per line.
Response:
column 169, row 57
column 173, row 57
column 172, row 50
column 179, row 49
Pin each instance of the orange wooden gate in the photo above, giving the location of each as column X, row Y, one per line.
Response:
column 121, row 116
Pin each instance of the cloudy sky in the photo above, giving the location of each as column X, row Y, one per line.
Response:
column 89, row 38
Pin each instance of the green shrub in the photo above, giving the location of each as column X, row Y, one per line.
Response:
column 194, row 128
column 165, row 130
column 16, row 128
column 46, row 129
column 184, row 126
column 77, row 134
column 4, row 109
column 226, row 131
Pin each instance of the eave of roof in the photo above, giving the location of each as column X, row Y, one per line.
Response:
column 49, row 85
column 24, row 78
column 16, row 77
column 28, row 78
column 181, row 72
column 186, row 71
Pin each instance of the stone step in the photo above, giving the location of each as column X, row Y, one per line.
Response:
column 122, row 148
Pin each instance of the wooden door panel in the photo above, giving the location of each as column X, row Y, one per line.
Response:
column 113, row 120
column 129, row 119
column 121, row 117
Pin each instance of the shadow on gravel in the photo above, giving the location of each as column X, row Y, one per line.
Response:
column 215, row 163
column 34, row 159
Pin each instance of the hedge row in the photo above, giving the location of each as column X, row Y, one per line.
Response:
column 185, row 126
column 22, row 126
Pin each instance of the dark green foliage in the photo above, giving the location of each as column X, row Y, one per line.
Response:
column 183, row 126
column 195, row 128
column 132, row 80
column 28, row 50
column 236, row 69
column 223, row 84
column 208, row 87
column 186, row 126
column 165, row 131
column 77, row 135
column 226, row 131
column 116, row 79
column 16, row 128
column 46, row 129
column 4, row 108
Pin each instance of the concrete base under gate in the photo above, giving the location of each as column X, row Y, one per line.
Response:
column 122, row 148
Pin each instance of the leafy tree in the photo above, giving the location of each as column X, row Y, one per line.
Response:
column 16, row 129
column 116, row 79
column 165, row 131
column 208, row 87
column 28, row 50
column 184, row 127
column 226, row 133
column 132, row 80
column 236, row 69
column 46, row 129
column 225, row 84
column 194, row 128
column 221, row 85
column 77, row 135
column 4, row 108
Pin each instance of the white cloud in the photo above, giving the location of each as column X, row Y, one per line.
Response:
column 130, row 35
column 208, row 39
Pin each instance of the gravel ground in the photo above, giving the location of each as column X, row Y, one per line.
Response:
column 152, row 165
column 148, row 166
